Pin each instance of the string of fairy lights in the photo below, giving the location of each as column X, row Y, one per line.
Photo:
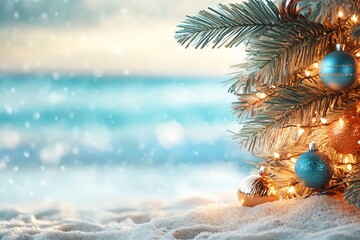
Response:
column 344, row 161
column 296, row 108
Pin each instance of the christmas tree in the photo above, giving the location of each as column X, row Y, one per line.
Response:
column 298, row 84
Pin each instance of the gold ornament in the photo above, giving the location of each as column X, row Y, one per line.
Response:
column 257, row 189
column 344, row 135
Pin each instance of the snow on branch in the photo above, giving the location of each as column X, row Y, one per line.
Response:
column 280, row 54
column 267, row 129
column 228, row 25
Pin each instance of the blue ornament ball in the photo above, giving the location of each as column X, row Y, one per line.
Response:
column 313, row 168
column 338, row 70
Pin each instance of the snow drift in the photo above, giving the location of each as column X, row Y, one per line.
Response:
column 319, row 217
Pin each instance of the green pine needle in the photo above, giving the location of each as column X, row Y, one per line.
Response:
column 228, row 25
column 352, row 192
column 326, row 11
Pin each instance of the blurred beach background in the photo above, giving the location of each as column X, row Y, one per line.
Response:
column 98, row 103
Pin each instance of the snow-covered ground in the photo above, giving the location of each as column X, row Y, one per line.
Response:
column 179, row 202
column 319, row 217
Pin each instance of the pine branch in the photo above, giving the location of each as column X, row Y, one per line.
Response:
column 280, row 54
column 352, row 192
column 250, row 104
column 326, row 11
column 262, row 132
column 278, row 47
column 228, row 25
column 355, row 34
column 265, row 132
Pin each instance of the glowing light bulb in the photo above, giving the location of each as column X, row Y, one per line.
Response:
column 341, row 122
column 307, row 73
column 301, row 131
column 340, row 14
column 316, row 65
column 272, row 191
column 293, row 159
column 359, row 142
column 349, row 167
column 358, row 54
column 354, row 18
column 323, row 120
column 291, row 189
column 261, row 95
column 346, row 160
column 276, row 155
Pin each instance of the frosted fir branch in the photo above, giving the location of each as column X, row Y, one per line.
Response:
column 250, row 104
column 228, row 25
column 259, row 117
column 352, row 191
column 268, row 131
column 309, row 126
column 281, row 54
column 291, row 106
column 326, row 11
column 278, row 47
column 355, row 34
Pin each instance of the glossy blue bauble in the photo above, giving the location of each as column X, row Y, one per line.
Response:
column 313, row 169
column 338, row 70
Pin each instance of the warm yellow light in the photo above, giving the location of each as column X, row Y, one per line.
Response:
column 341, row 122
column 349, row 167
column 261, row 95
column 307, row 73
column 276, row 155
column 291, row 189
column 316, row 65
column 323, row 120
column 272, row 191
column 359, row 142
column 293, row 159
column 340, row 14
column 358, row 54
column 354, row 18
column 301, row 131
column 346, row 160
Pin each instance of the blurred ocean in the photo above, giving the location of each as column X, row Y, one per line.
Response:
column 101, row 131
column 84, row 120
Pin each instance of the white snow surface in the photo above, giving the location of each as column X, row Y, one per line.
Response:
column 318, row 217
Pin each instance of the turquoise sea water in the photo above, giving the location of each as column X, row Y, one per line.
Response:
column 116, row 138
column 67, row 119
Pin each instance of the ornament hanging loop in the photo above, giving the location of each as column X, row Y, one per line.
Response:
column 339, row 47
column 263, row 171
column 313, row 146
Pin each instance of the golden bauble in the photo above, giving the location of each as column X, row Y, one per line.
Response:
column 344, row 135
column 256, row 189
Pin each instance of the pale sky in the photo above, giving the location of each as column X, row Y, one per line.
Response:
column 105, row 37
